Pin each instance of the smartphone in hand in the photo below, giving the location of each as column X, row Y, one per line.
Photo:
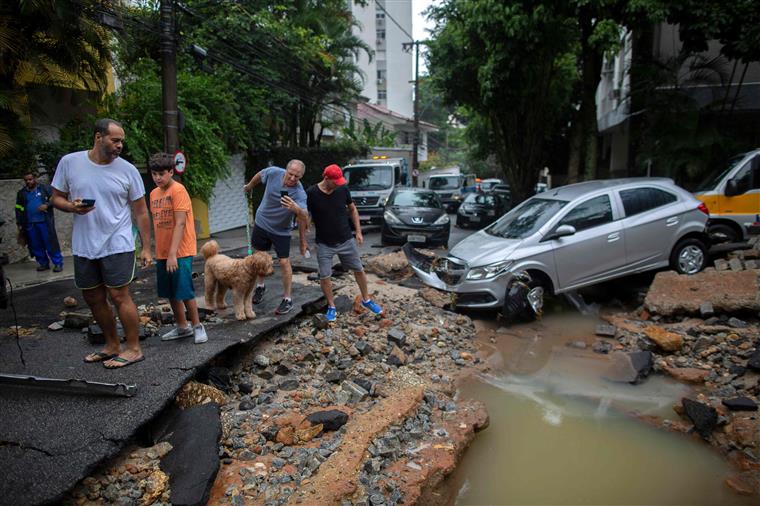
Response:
column 283, row 193
column 87, row 202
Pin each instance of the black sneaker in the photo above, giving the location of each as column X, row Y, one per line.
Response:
column 258, row 294
column 285, row 306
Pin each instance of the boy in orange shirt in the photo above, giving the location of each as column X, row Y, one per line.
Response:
column 175, row 247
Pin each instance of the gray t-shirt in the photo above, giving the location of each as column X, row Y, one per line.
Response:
column 107, row 229
column 270, row 215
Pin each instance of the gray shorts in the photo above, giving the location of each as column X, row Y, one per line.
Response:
column 347, row 252
column 114, row 271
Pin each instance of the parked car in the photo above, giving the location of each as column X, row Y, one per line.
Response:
column 568, row 238
column 481, row 209
column 415, row 216
column 505, row 191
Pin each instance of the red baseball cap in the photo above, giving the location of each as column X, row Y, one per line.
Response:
column 334, row 174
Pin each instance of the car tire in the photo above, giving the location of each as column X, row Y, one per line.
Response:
column 517, row 307
column 720, row 233
column 689, row 256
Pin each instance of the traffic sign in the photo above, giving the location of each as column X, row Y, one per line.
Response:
column 180, row 162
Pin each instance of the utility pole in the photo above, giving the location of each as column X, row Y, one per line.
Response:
column 416, row 136
column 169, row 77
column 416, row 143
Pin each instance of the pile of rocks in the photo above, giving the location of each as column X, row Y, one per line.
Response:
column 741, row 259
column 359, row 411
column 691, row 337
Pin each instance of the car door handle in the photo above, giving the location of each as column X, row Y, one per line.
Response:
column 672, row 221
column 615, row 236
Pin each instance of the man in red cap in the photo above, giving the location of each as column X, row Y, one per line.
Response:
column 330, row 205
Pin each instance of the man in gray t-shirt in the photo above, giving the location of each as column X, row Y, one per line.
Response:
column 103, row 190
column 284, row 198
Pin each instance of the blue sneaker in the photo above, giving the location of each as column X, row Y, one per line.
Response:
column 331, row 314
column 372, row 306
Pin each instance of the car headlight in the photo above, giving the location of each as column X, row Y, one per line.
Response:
column 444, row 219
column 456, row 197
column 489, row 271
column 391, row 218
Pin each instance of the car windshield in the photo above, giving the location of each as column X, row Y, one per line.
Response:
column 479, row 198
column 369, row 177
column 714, row 178
column 444, row 183
column 415, row 199
column 526, row 218
column 487, row 185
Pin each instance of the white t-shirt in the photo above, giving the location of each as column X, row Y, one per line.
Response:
column 107, row 229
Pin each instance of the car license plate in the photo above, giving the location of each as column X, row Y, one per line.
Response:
column 364, row 218
column 475, row 218
column 416, row 238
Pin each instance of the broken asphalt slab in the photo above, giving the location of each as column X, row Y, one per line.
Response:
column 51, row 440
column 727, row 292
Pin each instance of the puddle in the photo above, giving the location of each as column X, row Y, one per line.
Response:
column 559, row 434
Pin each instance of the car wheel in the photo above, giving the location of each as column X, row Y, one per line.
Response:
column 524, row 300
column 720, row 232
column 689, row 256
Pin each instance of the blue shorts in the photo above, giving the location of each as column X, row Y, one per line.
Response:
column 177, row 285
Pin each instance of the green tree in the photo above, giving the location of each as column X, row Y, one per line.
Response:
column 510, row 63
column 49, row 43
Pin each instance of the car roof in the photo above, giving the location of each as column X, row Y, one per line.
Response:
column 575, row 190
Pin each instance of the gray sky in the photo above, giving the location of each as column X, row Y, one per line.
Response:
column 420, row 24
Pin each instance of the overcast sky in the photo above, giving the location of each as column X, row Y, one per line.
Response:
column 420, row 24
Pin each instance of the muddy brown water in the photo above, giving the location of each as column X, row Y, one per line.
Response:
column 560, row 434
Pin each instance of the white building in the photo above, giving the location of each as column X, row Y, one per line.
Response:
column 388, row 78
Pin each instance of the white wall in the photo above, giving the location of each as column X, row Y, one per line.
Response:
column 228, row 207
column 367, row 32
column 399, row 64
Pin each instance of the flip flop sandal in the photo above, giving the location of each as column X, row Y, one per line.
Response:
column 123, row 361
column 99, row 357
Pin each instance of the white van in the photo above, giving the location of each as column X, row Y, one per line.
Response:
column 371, row 183
column 732, row 194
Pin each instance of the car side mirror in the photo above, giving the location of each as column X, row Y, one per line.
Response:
column 732, row 188
column 561, row 231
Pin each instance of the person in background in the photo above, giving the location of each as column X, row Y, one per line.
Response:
column 36, row 223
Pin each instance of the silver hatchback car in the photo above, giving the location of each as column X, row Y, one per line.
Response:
column 571, row 237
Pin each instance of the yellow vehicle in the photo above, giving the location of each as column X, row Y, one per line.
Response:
column 732, row 195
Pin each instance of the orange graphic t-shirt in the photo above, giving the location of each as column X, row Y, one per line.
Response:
column 163, row 205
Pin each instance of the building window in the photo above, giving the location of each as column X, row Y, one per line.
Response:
column 381, row 34
column 379, row 15
column 382, row 94
column 381, row 74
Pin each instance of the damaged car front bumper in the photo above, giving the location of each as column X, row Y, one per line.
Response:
column 450, row 274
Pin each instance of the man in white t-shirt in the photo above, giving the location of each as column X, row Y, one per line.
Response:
column 101, row 189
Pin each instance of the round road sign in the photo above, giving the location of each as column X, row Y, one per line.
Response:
column 180, row 162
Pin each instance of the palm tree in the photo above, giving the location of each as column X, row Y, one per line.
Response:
column 51, row 43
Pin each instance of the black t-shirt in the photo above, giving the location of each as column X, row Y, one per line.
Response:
column 330, row 214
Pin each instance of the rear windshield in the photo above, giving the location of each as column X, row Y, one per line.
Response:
column 479, row 198
column 525, row 219
column 415, row 199
column 444, row 183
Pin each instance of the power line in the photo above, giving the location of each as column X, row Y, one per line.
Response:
column 388, row 15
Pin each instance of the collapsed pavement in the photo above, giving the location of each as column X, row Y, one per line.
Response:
column 704, row 330
column 359, row 411
column 50, row 440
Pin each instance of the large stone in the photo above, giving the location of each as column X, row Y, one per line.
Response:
column 727, row 291
column 687, row 374
column 194, row 460
column 754, row 361
column 219, row 377
column 629, row 367
column 195, row 394
column 391, row 264
column 668, row 341
column 740, row 404
column 77, row 320
column 330, row 420
column 397, row 336
column 605, row 330
column 704, row 417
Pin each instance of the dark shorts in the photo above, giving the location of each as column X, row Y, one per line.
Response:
column 114, row 271
column 348, row 253
column 177, row 285
column 261, row 240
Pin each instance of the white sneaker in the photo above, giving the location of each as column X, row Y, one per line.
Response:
column 178, row 333
column 200, row 334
